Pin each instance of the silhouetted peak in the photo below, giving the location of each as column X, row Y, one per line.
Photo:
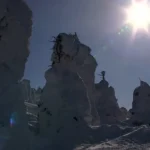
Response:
column 142, row 83
column 103, row 83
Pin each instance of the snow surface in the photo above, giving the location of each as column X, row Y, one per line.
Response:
column 138, row 139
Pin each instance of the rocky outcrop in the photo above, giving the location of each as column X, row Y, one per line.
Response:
column 106, row 103
column 140, row 111
column 15, row 30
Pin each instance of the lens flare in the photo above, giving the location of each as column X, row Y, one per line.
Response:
column 13, row 119
column 138, row 15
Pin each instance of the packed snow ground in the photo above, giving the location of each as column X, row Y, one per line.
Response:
column 138, row 139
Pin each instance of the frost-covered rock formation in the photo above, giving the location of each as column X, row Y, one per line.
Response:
column 106, row 103
column 66, row 96
column 15, row 30
column 140, row 112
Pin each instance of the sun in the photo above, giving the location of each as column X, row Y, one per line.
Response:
column 138, row 15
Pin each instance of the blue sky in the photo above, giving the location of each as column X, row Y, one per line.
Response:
column 98, row 24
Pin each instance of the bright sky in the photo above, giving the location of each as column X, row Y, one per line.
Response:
column 100, row 25
column 137, row 15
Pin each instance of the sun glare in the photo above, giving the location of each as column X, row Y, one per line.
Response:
column 138, row 15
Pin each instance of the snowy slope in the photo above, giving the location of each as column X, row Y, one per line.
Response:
column 138, row 139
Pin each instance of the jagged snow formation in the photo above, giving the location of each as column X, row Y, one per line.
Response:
column 77, row 58
column 107, row 105
column 141, row 104
column 15, row 30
